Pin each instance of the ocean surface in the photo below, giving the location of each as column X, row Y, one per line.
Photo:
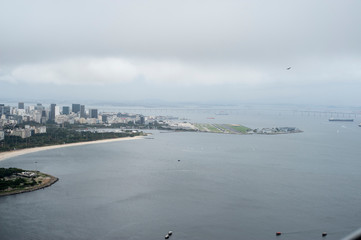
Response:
column 223, row 187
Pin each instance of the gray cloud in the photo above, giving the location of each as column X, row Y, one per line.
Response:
column 243, row 45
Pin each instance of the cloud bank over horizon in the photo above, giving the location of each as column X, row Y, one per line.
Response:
column 205, row 50
column 112, row 70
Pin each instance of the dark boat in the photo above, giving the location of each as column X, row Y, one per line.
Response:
column 340, row 120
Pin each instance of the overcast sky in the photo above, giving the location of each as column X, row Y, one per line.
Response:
column 202, row 51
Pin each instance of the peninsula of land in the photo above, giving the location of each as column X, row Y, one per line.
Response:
column 229, row 128
column 15, row 181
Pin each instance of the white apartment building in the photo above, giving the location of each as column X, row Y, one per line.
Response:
column 2, row 135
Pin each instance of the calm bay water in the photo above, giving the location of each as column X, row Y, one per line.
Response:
column 223, row 187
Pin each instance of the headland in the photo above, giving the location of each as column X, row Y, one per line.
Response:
column 15, row 181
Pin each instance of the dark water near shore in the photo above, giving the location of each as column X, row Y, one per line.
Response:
column 224, row 187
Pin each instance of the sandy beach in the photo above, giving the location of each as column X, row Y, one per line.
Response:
column 10, row 154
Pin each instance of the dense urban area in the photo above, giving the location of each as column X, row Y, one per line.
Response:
column 38, row 125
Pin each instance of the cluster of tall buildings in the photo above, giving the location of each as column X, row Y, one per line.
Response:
column 12, row 115
column 41, row 114
column 76, row 113
column 77, row 108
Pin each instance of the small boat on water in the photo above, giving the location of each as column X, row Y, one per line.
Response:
column 340, row 120
column 168, row 234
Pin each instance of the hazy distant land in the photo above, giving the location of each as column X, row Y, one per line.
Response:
column 231, row 128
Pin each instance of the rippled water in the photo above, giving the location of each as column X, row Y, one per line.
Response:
column 223, row 187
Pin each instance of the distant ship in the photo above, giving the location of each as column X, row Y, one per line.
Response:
column 341, row 119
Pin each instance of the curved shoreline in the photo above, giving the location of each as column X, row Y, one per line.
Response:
column 10, row 154
column 31, row 189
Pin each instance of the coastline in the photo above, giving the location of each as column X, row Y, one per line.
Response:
column 50, row 181
column 10, row 154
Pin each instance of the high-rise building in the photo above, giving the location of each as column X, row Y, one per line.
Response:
column 43, row 117
column 52, row 112
column 66, row 110
column 105, row 118
column 75, row 108
column 1, row 109
column 37, row 116
column 142, row 119
column 93, row 113
column 21, row 105
column 57, row 110
column 39, row 107
column 5, row 110
column 82, row 111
